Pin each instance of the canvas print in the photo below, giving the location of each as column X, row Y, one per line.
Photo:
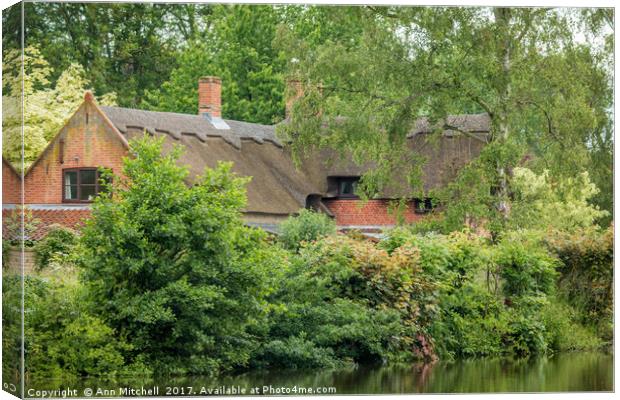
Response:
column 289, row 199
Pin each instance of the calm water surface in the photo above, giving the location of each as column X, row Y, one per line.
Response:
column 559, row 373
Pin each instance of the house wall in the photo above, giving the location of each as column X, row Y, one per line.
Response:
column 11, row 185
column 88, row 142
column 354, row 212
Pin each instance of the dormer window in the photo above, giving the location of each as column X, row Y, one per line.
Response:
column 347, row 187
column 80, row 185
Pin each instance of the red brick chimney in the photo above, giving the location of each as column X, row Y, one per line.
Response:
column 210, row 96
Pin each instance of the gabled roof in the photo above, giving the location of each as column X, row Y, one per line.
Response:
column 90, row 99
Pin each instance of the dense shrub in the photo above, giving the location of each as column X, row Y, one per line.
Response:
column 6, row 247
column 172, row 268
column 586, row 280
column 564, row 331
column 295, row 353
column 353, row 301
column 61, row 337
column 11, row 324
column 475, row 318
column 526, row 266
column 472, row 323
column 55, row 247
column 305, row 227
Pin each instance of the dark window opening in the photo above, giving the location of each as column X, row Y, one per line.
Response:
column 347, row 187
column 423, row 206
column 81, row 185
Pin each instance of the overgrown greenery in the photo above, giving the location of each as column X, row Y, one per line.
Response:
column 542, row 76
column 55, row 248
column 172, row 282
column 172, row 268
column 305, row 227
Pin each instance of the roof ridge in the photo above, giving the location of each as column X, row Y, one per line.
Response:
column 186, row 115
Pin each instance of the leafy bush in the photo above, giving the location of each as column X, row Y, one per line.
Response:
column 564, row 330
column 472, row 323
column 351, row 300
column 433, row 223
column 526, row 334
column 55, row 247
column 61, row 337
column 526, row 267
column 6, row 248
column 295, row 353
column 11, row 323
column 306, row 227
column 586, row 280
column 172, row 268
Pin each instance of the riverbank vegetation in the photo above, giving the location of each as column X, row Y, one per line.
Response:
column 166, row 279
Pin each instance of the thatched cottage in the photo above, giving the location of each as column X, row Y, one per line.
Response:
column 60, row 185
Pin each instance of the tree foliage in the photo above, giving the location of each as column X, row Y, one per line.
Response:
column 238, row 48
column 540, row 202
column 171, row 267
column 547, row 94
column 124, row 48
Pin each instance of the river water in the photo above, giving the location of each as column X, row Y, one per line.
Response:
column 559, row 373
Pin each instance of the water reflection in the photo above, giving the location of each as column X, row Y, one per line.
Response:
column 560, row 373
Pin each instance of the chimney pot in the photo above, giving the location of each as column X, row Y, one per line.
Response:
column 210, row 96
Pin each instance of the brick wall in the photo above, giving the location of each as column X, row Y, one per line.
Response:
column 374, row 212
column 88, row 142
column 11, row 185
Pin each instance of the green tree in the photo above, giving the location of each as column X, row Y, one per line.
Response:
column 124, row 48
column 238, row 49
column 171, row 267
column 547, row 95
column 540, row 202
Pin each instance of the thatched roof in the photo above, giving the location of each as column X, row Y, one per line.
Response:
column 277, row 187
column 472, row 123
column 462, row 138
column 177, row 125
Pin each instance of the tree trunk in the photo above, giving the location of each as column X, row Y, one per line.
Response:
column 502, row 19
